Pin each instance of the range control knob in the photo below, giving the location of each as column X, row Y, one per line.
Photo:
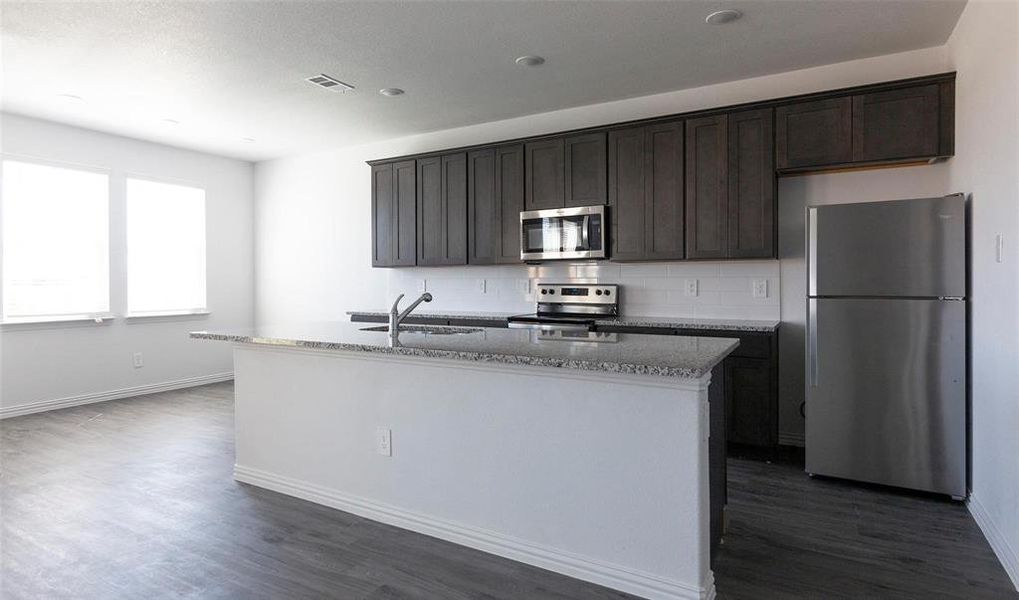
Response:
column 607, row 292
column 544, row 291
column 552, row 292
column 597, row 292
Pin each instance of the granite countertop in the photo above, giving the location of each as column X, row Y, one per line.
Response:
column 636, row 354
column 476, row 315
column 760, row 326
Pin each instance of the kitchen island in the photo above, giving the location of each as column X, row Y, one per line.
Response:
column 588, row 457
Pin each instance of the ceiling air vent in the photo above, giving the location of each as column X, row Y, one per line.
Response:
column 327, row 82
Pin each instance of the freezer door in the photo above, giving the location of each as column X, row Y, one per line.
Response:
column 886, row 392
column 911, row 248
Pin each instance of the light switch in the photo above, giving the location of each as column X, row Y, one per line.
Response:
column 760, row 288
column 384, row 441
column 482, row 286
column 999, row 248
column 422, row 285
column 690, row 287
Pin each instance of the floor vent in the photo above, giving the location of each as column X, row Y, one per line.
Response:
column 327, row 82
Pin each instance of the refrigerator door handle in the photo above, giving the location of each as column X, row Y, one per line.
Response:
column 812, row 373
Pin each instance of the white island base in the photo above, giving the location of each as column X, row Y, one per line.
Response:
column 597, row 475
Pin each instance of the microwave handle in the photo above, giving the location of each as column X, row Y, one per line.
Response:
column 583, row 234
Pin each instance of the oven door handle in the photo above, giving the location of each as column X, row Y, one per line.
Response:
column 549, row 326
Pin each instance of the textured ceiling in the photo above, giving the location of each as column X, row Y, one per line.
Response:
column 233, row 70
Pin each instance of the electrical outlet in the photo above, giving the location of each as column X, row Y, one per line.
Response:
column 524, row 286
column 999, row 248
column 760, row 288
column 138, row 362
column 690, row 287
column 384, row 441
column 482, row 286
column 422, row 285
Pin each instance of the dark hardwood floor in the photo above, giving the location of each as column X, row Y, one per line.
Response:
column 134, row 499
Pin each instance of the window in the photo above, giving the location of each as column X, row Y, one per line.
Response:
column 165, row 248
column 56, row 254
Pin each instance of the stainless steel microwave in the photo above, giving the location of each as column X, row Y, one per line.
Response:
column 563, row 233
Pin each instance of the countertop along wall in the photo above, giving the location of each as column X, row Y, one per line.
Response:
column 60, row 364
column 313, row 222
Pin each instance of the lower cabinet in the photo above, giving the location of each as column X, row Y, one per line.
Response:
column 749, row 380
column 751, row 406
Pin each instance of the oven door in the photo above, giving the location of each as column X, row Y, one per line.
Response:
column 563, row 233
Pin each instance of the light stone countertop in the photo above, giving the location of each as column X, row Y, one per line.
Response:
column 634, row 354
column 747, row 325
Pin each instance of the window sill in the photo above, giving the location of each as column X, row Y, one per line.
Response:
column 172, row 314
column 57, row 320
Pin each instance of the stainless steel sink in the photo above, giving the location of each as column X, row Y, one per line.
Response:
column 426, row 329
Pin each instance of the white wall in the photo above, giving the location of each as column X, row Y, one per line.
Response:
column 43, row 363
column 313, row 212
column 985, row 49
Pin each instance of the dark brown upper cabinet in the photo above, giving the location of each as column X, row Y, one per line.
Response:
column 897, row 124
column 565, row 171
column 495, row 198
column 814, row 134
column 752, row 185
column 646, row 192
column 545, row 169
column 707, row 187
column 585, row 169
column 393, row 214
column 442, row 210
column 464, row 207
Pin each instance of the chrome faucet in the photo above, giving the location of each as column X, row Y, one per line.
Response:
column 396, row 317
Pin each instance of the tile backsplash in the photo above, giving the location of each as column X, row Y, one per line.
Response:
column 724, row 290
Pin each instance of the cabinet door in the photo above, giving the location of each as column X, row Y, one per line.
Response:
column 482, row 208
column 812, row 134
column 585, row 169
column 896, row 124
column 383, row 215
column 454, row 195
column 393, row 209
column 442, row 210
column 664, row 232
column 707, row 187
column 751, row 407
column 405, row 228
column 544, row 187
column 495, row 198
column 509, row 193
column 751, row 185
column 627, row 192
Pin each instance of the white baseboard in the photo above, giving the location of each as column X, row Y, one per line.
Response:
column 610, row 575
column 999, row 542
column 152, row 388
column 790, row 439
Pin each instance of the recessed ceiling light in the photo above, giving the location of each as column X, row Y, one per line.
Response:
column 390, row 91
column 721, row 17
column 530, row 60
column 170, row 122
column 248, row 140
column 71, row 98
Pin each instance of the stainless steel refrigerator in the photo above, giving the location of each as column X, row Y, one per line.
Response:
column 887, row 343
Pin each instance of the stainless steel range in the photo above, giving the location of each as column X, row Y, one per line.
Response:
column 575, row 306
